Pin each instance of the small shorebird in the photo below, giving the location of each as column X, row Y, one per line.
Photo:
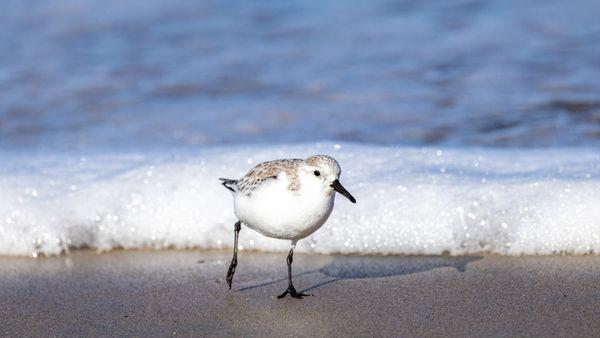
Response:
column 285, row 199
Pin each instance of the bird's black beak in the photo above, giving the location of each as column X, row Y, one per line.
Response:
column 337, row 186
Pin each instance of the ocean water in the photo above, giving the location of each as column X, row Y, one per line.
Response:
column 159, row 73
column 461, row 126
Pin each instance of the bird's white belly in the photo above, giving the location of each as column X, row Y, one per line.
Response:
column 277, row 212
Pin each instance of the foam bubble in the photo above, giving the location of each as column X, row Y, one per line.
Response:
column 410, row 201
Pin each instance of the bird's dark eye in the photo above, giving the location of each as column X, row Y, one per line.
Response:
column 317, row 173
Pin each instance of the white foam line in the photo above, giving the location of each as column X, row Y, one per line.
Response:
column 410, row 201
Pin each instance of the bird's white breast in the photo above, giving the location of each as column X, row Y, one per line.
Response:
column 277, row 212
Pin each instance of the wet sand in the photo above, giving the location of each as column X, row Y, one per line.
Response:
column 161, row 293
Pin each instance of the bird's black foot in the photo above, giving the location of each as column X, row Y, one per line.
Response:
column 292, row 291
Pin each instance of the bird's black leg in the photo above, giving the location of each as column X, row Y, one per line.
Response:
column 231, row 271
column 290, row 289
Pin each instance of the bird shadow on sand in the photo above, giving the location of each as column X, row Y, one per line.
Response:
column 361, row 267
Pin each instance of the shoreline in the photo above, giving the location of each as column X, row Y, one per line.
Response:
column 142, row 292
column 228, row 251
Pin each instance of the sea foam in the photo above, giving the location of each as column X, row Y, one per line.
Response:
column 410, row 200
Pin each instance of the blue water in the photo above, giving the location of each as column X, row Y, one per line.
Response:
column 155, row 74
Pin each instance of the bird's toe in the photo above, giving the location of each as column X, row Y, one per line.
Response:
column 293, row 293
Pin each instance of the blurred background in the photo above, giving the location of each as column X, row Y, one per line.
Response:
column 161, row 74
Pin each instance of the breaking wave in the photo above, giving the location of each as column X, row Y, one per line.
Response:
column 410, row 200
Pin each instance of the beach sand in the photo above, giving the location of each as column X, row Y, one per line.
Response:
column 160, row 293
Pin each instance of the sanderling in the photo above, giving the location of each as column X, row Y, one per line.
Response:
column 285, row 199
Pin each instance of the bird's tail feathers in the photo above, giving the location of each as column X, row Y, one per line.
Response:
column 228, row 183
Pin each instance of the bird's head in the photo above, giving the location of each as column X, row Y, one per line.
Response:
column 326, row 170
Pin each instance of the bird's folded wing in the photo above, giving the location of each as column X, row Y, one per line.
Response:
column 267, row 171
